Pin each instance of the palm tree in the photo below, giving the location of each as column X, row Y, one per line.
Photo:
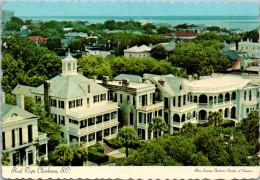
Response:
column 215, row 118
column 158, row 125
column 62, row 155
column 127, row 137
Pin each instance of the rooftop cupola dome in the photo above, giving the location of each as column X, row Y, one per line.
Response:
column 69, row 65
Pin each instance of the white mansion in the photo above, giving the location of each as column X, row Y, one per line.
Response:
column 21, row 141
column 79, row 105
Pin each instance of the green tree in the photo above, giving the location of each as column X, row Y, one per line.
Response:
column 159, row 52
column 53, row 44
column 163, row 30
column 62, row 155
column 127, row 137
column 4, row 159
column 80, row 154
column 254, row 35
column 14, row 24
column 28, row 22
column 157, row 126
column 215, row 118
column 110, row 24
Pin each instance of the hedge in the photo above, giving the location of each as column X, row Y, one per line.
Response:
column 112, row 143
column 97, row 157
column 97, row 147
column 228, row 123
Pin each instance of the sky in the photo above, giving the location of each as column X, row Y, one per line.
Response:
column 127, row 8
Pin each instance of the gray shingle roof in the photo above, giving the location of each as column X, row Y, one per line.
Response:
column 132, row 78
column 23, row 90
column 8, row 110
column 69, row 86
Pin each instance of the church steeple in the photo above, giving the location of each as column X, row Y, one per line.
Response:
column 69, row 65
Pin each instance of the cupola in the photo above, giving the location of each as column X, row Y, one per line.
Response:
column 69, row 65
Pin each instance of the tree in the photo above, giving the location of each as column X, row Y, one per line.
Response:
column 14, row 24
column 215, row 118
column 28, row 22
column 163, row 30
column 159, row 52
column 110, row 24
column 62, row 155
column 157, row 126
column 127, row 137
column 53, row 44
column 254, row 35
column 5, row 160
column 80, row 154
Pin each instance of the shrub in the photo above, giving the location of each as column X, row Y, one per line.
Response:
column 113, row 143
column 97, row 147
column 206, row 124
column 97, row 157
column 228, row 123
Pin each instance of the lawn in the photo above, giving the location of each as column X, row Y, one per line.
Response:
column 130, row 151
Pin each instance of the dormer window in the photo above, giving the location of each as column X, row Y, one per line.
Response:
column 14, row 115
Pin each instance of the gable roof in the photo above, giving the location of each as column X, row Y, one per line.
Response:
column 34, row 38
column 37, row 26
column 132, row 78
column 8, row 110
column 69, row 86
column 23, row 90
column 137, row 49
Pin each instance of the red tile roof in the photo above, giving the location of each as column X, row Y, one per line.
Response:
column 235, row 65
column 34, row 38
column 182, row 33
column 37, row 26
column 255, row 62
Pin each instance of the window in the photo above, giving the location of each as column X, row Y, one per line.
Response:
column 245, row 95
column 13, row 137
column 103, row 97
column 121, row 98
column 73, row 121
column 42, row 150
column 140, row 117
column 115, row 97
column 195, row 99
column 95, row 99
column 128, row 99
column 166, row 117
column 54, row 117
column 91, row 121
column 69, row 67
column 54, row 102
column 133, row 100
column 30, row 133
column 72, row 104
column 3, row 140
column 88, row 88
column 62, row 134
column 173, row 101
column 61, row 104
column 62, row 120
column 144, row 100
column 179, row 101
column 131, row 118
column 180, row 87
column 78, row 102
column 114, row 115
column 184, row 100
column 20, row 136
column 30, row 157
column 99, row 119
column 250, row 95
column 166, row 102
column 106, row 117
column 87, row 102
column 38, row 98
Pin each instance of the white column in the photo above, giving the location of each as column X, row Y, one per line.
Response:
column 26, row 155
column 46, row 155
column 110, row 133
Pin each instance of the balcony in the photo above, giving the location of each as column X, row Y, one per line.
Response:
column 75, row 129
column 151, row 107
column 41, row 136
column 189, row 106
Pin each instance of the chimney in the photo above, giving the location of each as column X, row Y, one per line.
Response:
column 145, row 77
column 80, row 70
column 150, row 45
column 104, row 80
column 190, row 77
column 20, row 101
column 125, row 83
column 94, row 78
column 47, row 96
column 3, row 97
column 161, row 81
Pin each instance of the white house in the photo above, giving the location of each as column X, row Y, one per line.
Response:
column 21, row 140
column 137, row 100
column 192, row 101
column 79, row 105
column 249, row 47
column 135, row 51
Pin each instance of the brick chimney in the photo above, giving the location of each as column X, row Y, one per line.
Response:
column 47, row 96
column 20, row 101
column 3, row 97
